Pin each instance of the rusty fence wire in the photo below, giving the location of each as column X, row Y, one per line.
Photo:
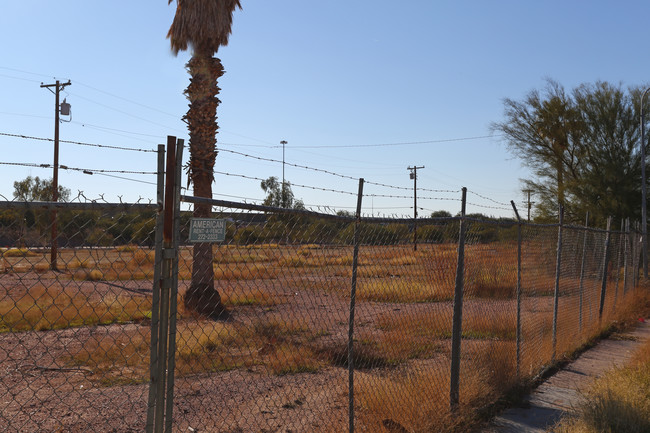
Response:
column 76, row 341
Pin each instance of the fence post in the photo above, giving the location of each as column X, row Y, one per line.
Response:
column 636, row 259
column 353, row 294
column 626, row 254
column 518, row 337
column 165, row 283
column 556, row 292
column 457, row 321
column 618, row 263
column 582, row 272
column 603, row 287
column 173, row 296
column 155, row 306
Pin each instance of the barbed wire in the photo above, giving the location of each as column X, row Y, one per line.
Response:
column 288, row 163
column 292, row 184
column 22, row 136
column 80, row 143
column 367, row 182
column 488, row 198
column 83, row 170
column 488, row 207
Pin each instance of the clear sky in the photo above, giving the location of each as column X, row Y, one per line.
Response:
column 360, row 88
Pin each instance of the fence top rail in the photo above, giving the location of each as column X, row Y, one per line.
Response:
column 262, row 208
column 348, row 218
column 92, row 205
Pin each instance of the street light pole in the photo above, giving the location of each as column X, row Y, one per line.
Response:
column 55, row 175
column 644, row 220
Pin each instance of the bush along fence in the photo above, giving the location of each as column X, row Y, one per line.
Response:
column 304, row 321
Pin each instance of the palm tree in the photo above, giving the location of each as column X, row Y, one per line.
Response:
column 203, row 26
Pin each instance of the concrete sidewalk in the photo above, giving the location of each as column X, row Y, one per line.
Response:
column 562, row 391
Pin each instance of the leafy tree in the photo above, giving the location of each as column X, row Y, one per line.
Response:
column 204, row 26
column 582, row 147
column 441, row 214
column 37, row 189
column 279, row 194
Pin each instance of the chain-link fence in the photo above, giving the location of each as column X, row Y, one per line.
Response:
column 74, row 331
column 294, row 289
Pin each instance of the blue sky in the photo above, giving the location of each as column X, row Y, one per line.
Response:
column 357, row 88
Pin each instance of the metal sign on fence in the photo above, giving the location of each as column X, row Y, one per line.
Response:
column 207, row 230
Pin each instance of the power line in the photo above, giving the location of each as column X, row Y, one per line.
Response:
column 101, row 128
column 27, row 72
column 25, row 115
column 407, row 143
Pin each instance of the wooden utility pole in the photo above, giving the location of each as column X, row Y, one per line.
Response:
column 55, row 175
column 414, row 176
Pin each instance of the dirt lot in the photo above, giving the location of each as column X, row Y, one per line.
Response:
column 278, row 364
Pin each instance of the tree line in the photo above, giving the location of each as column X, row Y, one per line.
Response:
column 583, row 147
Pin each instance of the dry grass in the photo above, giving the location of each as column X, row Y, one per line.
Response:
column 618, row 402
column 244, row 296
column 403, row 353
column 202, row 346
column 19, row 252
column 418, row 399
column 114, row 359
column 246, row 271
column 401, row 290
column 495, row 324
column 42, row 309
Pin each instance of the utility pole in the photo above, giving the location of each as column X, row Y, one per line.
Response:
column 414, row 176
column 55, row 175
column 282, row 201
column 529, row 203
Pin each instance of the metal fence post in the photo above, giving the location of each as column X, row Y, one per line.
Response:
column 518, row 337
column 173, row 307
column 618, row 263
column 155, row 306
column 456, row 332
column 353, row 294
column 603, row 287
column 636, row 255
column 582, row 273
column 165, row 283
column 556, row 292
column 626, row 254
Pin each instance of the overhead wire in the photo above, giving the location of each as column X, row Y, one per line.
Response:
column 114, row 130
column 259, row 179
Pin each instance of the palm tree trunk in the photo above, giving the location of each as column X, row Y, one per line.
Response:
column 205, row 70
